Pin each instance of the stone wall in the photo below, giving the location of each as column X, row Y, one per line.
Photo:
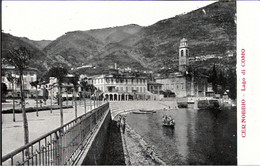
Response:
column 94, row 154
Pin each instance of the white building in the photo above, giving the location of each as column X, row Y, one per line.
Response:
column 29, row 75
column 119, row 87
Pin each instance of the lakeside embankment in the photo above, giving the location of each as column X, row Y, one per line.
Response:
column 199, row 137
column 136, row 150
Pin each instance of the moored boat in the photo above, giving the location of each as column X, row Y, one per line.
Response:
column 206, row 104
column 148, row 111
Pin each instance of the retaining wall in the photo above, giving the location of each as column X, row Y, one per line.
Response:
column 93, row 155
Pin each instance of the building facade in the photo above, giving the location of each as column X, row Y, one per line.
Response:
column 121, row 86
column 29, row 75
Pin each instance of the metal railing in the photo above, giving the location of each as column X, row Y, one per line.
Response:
column 61, row 146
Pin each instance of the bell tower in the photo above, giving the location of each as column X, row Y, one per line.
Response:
column 183, row 55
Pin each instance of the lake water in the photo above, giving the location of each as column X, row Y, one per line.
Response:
column 199, row 137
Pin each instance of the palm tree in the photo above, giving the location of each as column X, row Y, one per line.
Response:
column 74, row 80
column 3, row 92
column 91, row 89
column 35, row 84
column 13, row 80
column 59, row 72
column 20, row 58
column 83, row 84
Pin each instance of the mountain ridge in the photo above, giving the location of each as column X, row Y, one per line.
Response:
column 209, row 30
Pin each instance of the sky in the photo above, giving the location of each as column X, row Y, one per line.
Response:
column 39, row 20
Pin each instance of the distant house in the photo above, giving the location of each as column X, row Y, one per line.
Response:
column 154, row 87
column 66, row 90
column 210, row 56
column 230, row 53
column 29, row 76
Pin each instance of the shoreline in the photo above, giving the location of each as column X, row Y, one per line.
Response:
column 138, row 150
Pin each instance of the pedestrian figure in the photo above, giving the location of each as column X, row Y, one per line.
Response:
column 123, row 124
column 119, row 121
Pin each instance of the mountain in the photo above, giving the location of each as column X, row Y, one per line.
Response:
column 9, row 42
column 99, row 47
column 40, row 44
column 209, row 30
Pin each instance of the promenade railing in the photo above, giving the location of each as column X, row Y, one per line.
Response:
column 61, row 146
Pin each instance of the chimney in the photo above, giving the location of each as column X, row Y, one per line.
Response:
column 115, row 66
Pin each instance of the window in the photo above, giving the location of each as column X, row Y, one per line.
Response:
column 181, row 52
column 126, row 88
column 187, row 52
column 137, row 89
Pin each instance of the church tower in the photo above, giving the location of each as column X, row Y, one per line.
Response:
column 183, row 55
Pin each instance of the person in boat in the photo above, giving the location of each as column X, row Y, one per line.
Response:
column 165, row 119
column 171, row 120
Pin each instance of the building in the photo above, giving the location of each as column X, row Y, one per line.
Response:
column 67, row 88
column 181, row 82
column 29, row 75
column 120, row 86
column 154, row 87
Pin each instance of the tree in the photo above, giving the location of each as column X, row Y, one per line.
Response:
column 20, row 58
column 222, row 81
column 45, row 94
column 13, row 80
column 3, row 91
column 59, row 72
column 36, row 84
column 213, row 78
column 74, row 80
column 83, row 84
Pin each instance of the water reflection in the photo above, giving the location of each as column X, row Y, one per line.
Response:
column 199, row 137
column 168, row 132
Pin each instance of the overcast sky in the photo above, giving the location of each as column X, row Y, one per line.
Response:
column 40, row 20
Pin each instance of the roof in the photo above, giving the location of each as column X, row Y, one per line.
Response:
column 184, row 40
column 154, row 83
column 14, row 69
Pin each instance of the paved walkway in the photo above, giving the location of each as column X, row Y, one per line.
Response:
column 12, row 132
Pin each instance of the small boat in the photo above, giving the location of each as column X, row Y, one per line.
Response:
column 208, row 105
column 168, row 121
column 148, row 111
column 138, row 112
